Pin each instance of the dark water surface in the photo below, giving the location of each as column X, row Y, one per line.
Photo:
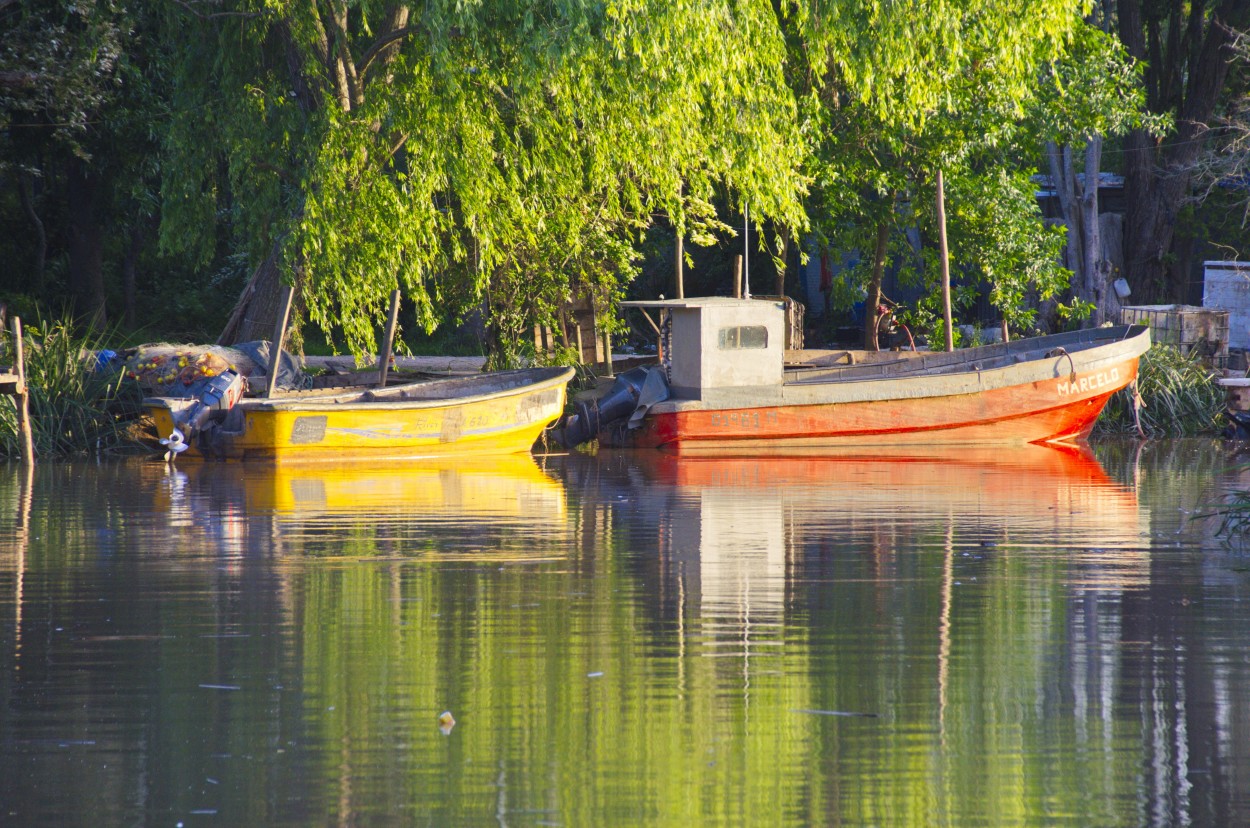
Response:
column 1020, row 637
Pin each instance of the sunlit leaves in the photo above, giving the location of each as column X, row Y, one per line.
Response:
column 501, row 145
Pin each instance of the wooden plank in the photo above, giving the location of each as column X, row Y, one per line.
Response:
column 388, row 342
column 279, row 339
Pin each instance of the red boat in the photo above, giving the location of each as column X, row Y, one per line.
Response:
column 722, row 383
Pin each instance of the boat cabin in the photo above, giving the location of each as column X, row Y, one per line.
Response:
column 712, row 345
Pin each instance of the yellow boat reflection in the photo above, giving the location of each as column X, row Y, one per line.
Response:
column 502, row 486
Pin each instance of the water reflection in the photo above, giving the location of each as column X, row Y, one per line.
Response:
column 1040, row 637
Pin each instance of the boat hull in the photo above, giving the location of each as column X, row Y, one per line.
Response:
column 1051, row 398
column 493, row 414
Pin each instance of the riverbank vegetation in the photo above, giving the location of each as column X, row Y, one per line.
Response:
column 74, row 408
column 1175, row 395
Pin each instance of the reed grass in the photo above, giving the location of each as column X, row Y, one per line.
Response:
column 74, row 409
column 1179, row 394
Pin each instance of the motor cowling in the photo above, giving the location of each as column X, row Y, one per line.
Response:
column 638, row 388
column 219, row 393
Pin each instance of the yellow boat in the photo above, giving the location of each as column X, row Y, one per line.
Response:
column 498, row 413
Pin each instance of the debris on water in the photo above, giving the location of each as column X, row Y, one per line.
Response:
column 847, row 713
column 220, row 687
column 595, row 674
column 446, row 722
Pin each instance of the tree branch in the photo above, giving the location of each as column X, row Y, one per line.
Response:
column 381, row 43
column 18, row 80
column 190, row 5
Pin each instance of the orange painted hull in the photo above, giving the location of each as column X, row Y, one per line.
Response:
column 1060, row 406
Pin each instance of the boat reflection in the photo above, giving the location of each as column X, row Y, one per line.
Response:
column 354, row 507
column 738, row 528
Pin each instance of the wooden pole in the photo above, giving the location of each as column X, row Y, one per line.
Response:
column 388, row 340
column 738, row 276
column 945, row 261
column 21, row 395
column 745, row 293
column 679, row 265
column 279, row 338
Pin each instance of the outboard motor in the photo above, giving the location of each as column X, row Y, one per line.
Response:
column 219, row 393
column 631, row 395
column 1238, row 427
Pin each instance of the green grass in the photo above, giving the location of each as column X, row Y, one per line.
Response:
column 74, row 409
column 1179, row 394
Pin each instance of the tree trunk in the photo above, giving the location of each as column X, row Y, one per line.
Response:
column 1064, row 177
column 872, row 302
column 1185, row 76
column 1095, row 274
column 254, row 314
column 130, row 271
column 1078, row 203
column 26, row 191
column 86, row 246
column 1111, row 237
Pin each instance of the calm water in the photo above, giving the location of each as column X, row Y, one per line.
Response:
column 1005, row 637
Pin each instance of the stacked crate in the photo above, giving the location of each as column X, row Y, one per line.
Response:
column 1191, row 329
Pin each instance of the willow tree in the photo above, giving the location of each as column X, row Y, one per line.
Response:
column 470, row 154
column 897, row 93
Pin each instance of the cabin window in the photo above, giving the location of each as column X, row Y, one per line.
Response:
column 743, row 337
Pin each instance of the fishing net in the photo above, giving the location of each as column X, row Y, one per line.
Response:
column 168, row 370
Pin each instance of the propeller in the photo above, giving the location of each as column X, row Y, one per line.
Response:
column 175, row 442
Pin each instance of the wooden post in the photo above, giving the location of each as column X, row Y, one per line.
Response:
column 21, row 395
column 738, row 276
column 944, row 258
column 279, row 338
column 607, row 354
column 388, row 340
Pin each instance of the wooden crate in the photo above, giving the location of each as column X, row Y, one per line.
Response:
column 795, row 313
column 577, row 330
column 1191, row 329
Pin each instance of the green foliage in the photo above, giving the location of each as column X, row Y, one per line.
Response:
column 893, row 96
column 1094, row 89
column 995, row 226
column 73, row 408
column 500, row 153
column 1178, row 393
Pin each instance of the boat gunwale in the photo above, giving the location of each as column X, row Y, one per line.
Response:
column 1000, row 355
column 352, row 400
column 932, row 385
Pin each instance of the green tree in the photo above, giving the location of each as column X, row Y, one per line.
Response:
column 500, row 155
column 60, row 68
column 895, row 96
column 1093, row 93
